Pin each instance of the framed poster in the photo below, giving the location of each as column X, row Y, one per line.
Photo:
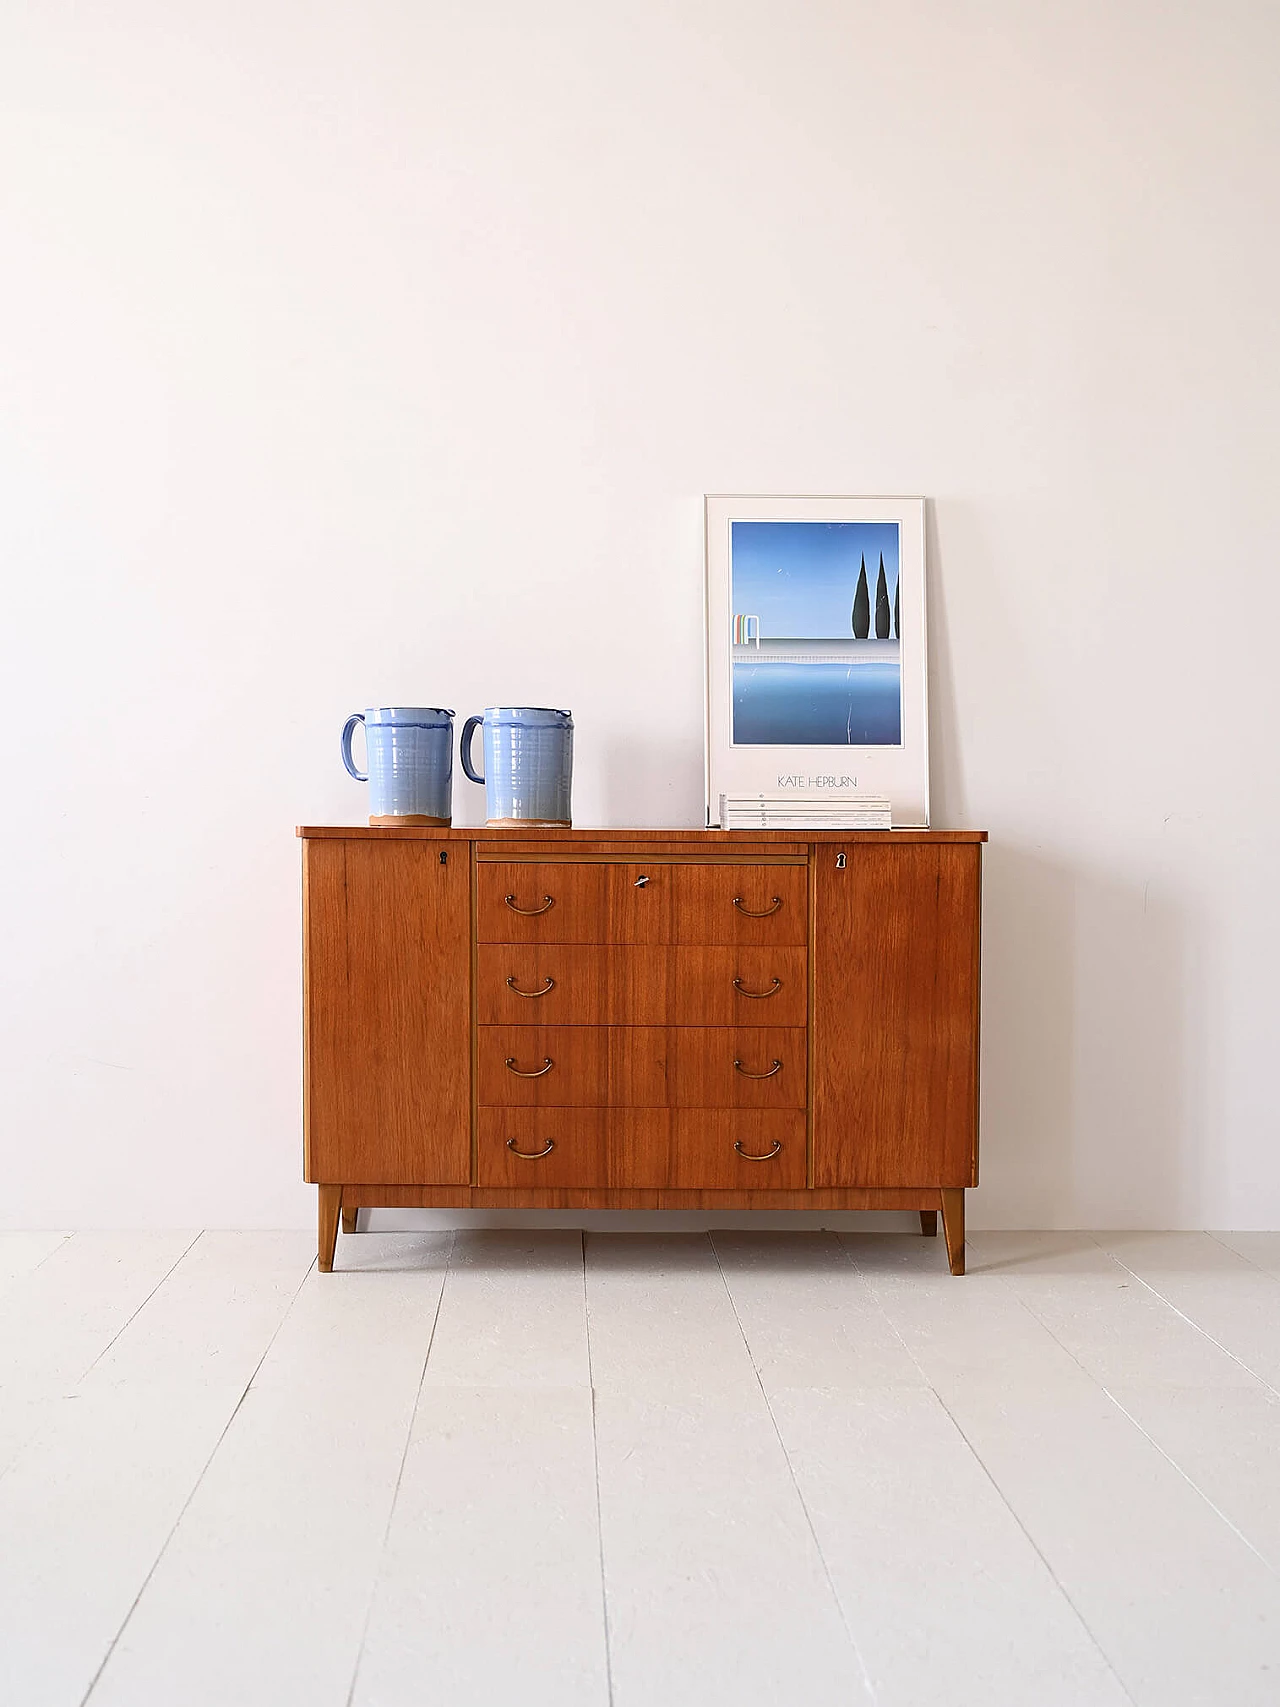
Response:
column 816, row 674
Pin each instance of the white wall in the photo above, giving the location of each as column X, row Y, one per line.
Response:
column 382, row 352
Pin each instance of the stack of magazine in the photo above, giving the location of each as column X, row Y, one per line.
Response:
column 805, row 812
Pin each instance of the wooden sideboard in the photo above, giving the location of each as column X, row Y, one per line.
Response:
column 641, row 1019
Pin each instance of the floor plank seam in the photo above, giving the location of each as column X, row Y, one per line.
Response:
column 1257, row 1267
column 982, row 1465
column 1129, row 1417
column 595, row 1459
column 1189, row 1320
column 180, row 1258
column 1187, row 1477
column 204, row 1470
column 61, row 1245
column 1193, row 1484
column 872, row 1695
column 39, row 1434
column 404, row 1458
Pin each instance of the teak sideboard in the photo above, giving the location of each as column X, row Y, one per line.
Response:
column 641, row 1019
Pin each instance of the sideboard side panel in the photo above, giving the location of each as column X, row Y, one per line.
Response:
column 895, row 1020
column 388, row 1012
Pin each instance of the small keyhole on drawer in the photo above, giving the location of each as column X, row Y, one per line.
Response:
column 444, row 857
column 841, row 862
column 640, row 882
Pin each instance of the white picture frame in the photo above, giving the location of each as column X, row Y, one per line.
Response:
column 773, row 694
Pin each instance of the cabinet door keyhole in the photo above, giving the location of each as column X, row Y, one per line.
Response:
column 841, row 862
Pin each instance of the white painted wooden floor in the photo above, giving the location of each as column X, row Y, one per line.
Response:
column 644, row 1470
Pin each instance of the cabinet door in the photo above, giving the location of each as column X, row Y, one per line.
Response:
column 388, row 1012
column 895, row 1016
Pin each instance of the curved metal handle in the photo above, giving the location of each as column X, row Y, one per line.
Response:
column 547, row 1065
column 755, row 995
column 532, row 1155
column 776, row 1068
column 464, row 747
column 548, row 902
column 549, row 985
column 748, row 1157
column 348, row 729
column 777, row 902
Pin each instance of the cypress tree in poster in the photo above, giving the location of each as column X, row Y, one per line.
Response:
column 897, row 631
column 882, row 604
column 862, row 606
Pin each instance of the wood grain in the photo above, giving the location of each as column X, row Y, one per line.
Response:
column 578, row 910
column 672, row 1148
column 609, row 853
column 575, row 1142
column 641, row 902
column 410, row 1022
column 895, row 1024
column 701, row 840
column 329, row 1202
column 632, row 985
column 704, row 898
column 603, row 1197
column 641, row 1066
column 953, row 1227
column 387, row 1024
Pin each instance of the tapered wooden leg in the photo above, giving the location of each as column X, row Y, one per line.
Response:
column 953, row 1226
column 349, row 1217
column 330, row 1204
column 929, row 1223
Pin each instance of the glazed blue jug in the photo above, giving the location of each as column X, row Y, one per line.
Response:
column 528, row 763
column 410, row 759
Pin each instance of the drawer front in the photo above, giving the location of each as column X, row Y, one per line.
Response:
column 543, row 1066
column 683, row 1149
column 640, row 1066
column 537, row 1147
column 764, row 1066
column 742, row 904
column 718, row 1150
column 574, row 984
column 661, row 902
column 556, row 902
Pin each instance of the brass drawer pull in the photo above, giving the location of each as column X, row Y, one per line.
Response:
column 776, row 1068
column 547, row 1065
column 748, row 1157
column 777, row 902
column 533, row 1155
column 549, row 985
column 548, row 902
column 755, row 995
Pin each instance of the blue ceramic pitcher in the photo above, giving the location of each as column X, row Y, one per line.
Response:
column 410, row 759
column 528, row 763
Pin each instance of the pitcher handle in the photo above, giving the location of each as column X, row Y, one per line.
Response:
column 347, row 730
column 464, row 751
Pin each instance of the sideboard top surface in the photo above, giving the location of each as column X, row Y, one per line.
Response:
column 701, row 839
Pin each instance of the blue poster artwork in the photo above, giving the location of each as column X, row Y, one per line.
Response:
column 815, row 634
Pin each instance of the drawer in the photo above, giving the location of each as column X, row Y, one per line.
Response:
column 574, row 984
column 641, row 1066
column 683, row 1149
column 532, row 902
column 539, row 1147
column 742, row 904
column 657, row 902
